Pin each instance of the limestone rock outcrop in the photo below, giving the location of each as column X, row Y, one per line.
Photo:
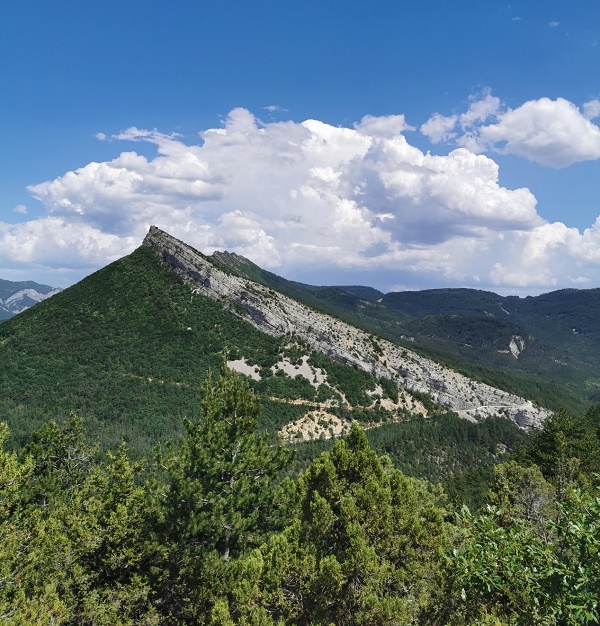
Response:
column 279, row 315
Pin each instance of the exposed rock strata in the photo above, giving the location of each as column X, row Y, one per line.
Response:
column 278, row 315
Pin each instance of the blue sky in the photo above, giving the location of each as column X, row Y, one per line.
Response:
column 397, row 144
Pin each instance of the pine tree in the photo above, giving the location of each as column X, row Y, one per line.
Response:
column 217, row 498
column 365, row 548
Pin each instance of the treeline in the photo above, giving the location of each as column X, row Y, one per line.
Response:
column 209, row 532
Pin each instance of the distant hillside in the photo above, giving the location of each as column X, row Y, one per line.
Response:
column 554, row 336
column 16, row 297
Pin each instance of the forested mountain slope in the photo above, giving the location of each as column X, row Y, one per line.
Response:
column 127, row 348
column 281, row 316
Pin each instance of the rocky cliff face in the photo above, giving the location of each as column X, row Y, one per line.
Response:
column 278, row 315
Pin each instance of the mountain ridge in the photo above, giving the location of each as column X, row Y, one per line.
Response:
column 278, row 315
column 474, row 331
column 16, row 297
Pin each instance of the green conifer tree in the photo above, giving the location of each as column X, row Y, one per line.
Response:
column 217, row 496
column 365, row 548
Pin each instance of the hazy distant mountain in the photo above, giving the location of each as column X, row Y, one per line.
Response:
column 16, row 297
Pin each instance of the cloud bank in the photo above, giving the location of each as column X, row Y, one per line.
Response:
column 300, row 197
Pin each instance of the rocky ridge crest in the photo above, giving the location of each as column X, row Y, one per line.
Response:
column 278, row 315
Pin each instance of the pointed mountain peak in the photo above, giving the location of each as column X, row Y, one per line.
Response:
column 160, row 239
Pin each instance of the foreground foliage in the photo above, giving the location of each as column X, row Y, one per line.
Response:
column 208, row 531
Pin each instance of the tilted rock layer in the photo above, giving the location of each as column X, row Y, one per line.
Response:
column 278, row 315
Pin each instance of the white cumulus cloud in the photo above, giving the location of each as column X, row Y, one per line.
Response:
column 52, row 241
column 554, row 133
column 440, row 128
column 591, row 109
column 549, row 132
column 306, row 196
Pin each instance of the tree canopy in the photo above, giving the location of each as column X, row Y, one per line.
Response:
column 210, row 532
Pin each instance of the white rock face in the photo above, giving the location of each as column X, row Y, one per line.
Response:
column 240, row 366
column 278, row 315
column 21, row 300
column 516, row 346
column 315, row 375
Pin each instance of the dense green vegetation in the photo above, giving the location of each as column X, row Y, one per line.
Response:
column 445, row 450
column 208, row 532
column 127, row 348
column 220, row 525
